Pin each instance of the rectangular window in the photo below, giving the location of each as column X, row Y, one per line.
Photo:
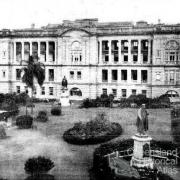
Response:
column 114, row 75
column 51, row 74
column 172, row 56
column 114, row 92
column 18, row 74
column 134, row 75
column 124, row 93
column 133, row 91
column 26, row 51
column 135, row 43
column 43, row 51
column 79, row 75
column 51, row 91
column 158, row 53
column 18, row 51
column 42, row 90
column 105, row 46
column 26, row 89
column 144, row 92
column 144, row 76
column 3, row 74
column 135, row 58
column 106, row 57
column 104, row 75
column 104, row 91
column 145, row 58
column 18, row 89
column 52, row 51
column 35, row 50
column 124, row 45
column 124, row 75
column 171, row 77
column 71, row 74
column 125, row 58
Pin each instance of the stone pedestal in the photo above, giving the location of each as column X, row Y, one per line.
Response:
column 141, row 155
column 64, row 97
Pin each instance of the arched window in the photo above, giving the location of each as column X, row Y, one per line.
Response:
column 172, row 52
column 76, row 52
column 172, row 93
column 75, row 92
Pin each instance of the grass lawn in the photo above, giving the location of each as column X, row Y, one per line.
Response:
column 72, row 162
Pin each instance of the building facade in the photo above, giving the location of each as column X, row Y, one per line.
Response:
column 116, row 57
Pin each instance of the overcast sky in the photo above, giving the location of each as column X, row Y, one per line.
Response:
column 22, row 13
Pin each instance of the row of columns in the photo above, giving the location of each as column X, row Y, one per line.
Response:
column 30, row 43
column 129, row 80
column 129, row 51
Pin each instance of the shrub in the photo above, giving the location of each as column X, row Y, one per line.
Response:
column 93, row 132
column 24, row 122
column 56, row 111
column 42, row 116
column 2, row 132
column 21, row 98
column 10, row 106
column 38, row 165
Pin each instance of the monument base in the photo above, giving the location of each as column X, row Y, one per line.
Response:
column 64, row 98
column 141, row 155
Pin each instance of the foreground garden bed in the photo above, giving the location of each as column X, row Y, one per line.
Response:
column 101, row 169
column 93, row 132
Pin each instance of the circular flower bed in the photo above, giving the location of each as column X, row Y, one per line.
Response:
column 101, row 168
column 95, row 131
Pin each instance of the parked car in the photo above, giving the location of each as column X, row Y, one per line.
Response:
column 173, row 96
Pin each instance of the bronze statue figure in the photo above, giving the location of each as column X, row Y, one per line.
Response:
column 142, row 120
column 64, row 83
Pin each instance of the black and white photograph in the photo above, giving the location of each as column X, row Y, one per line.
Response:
column 89, row 90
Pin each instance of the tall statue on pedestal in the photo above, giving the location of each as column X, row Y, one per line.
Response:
column 141, row 152
column 142, row 120
column 64, row 83
column 64, row 97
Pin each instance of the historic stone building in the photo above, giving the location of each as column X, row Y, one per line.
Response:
column 115, row 57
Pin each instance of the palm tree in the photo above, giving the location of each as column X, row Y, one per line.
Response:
column 33, row 70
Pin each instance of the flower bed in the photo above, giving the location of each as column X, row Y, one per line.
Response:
column 95, row 131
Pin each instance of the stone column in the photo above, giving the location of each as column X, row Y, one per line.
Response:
column 129, row 51
column 14, row 51
column 100, row 51
column 47, row 50
column 22, row 50
column 30, row 44
column 139, row 51
column 139, row 76
column 39, row 50
column 149, row 51
column 119, row 50
column 110, row 58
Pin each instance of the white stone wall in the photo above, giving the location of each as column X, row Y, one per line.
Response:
column 90, row 66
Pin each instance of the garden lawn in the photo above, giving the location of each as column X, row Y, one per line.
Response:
column 72, row 162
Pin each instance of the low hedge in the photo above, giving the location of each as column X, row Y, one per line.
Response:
column 38, row 165
column 40, row 177
column 42, row 116
column 93, row 132
column 24, row 122
column 56, row 111
column 151, row 103
column 100, row 165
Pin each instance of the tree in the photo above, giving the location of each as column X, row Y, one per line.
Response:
column 33, row 70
